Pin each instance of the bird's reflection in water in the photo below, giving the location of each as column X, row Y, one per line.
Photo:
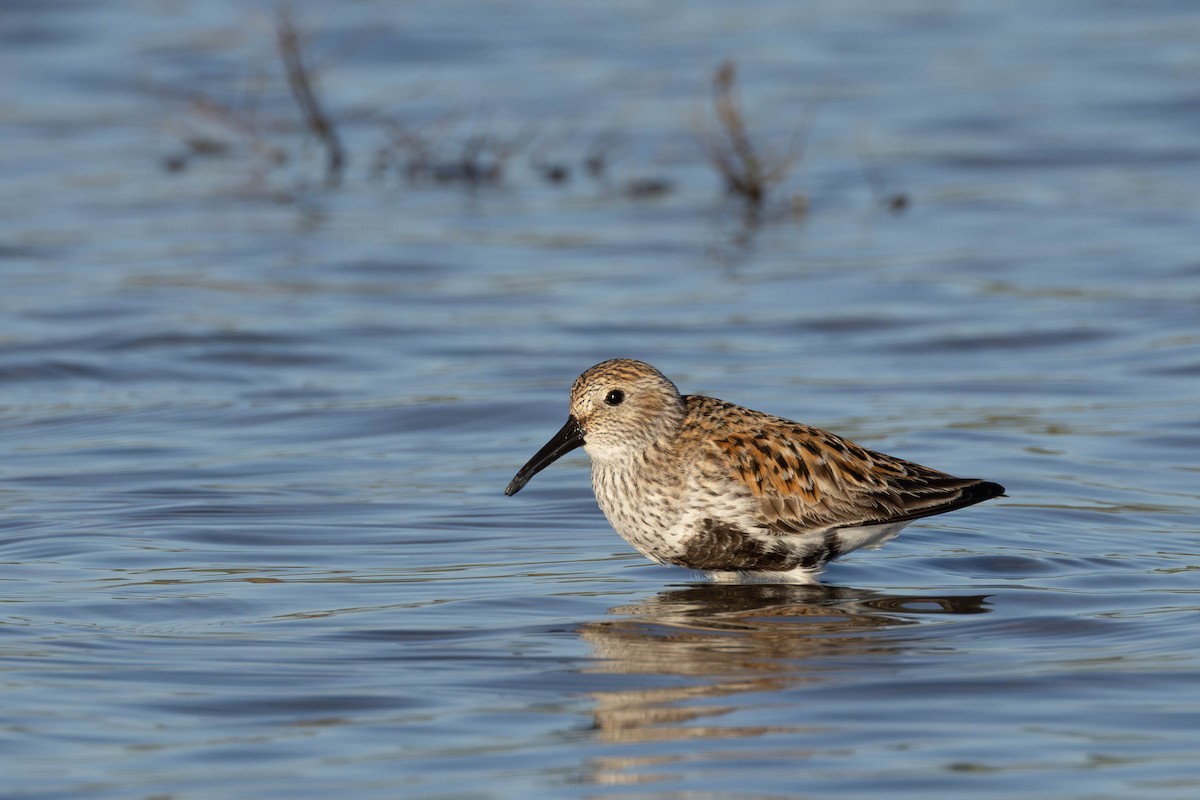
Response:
column 732, row 640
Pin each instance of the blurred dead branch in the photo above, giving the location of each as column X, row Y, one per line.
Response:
column 301, row 82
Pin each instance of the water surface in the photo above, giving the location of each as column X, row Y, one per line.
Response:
column 257, row 428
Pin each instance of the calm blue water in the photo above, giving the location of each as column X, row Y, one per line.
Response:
column 256, row 429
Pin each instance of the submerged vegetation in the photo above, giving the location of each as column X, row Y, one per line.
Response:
column 745, row 170
column 301, row 83
column 458, row 152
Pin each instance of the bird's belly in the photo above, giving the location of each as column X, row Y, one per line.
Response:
column 718, row 545
column 648, row 525
column 690, row 526
column 726, row 536
column 700, row 531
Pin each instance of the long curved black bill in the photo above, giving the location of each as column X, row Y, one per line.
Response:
column 563, row 442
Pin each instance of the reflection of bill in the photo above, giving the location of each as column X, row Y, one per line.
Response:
column 728, row 640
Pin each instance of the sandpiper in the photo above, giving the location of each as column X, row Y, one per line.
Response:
column 712, row 486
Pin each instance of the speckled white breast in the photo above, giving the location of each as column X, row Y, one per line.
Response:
column 659, row 510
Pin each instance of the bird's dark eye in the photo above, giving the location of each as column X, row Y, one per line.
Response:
column 615, row 397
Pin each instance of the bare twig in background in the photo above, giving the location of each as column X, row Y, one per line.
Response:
column 411, row 150
column 730, row 150
column 299, row 79
column 648, row 188
column 600, row 153
column 451, row 151
column 445, row 156
column 215, row 128
column 543, row 151
column 746, row 172
column 242, row 123
column 892, row 201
